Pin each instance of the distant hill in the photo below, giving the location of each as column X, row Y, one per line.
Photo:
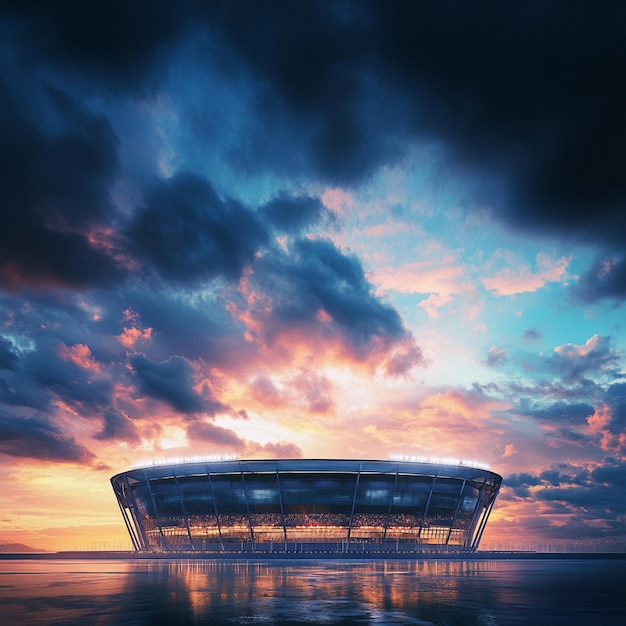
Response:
column 17, row 547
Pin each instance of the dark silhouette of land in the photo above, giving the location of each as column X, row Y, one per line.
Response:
column 18, row 548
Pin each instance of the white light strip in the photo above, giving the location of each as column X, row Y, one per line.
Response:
column 185, row 459
column 437, row 460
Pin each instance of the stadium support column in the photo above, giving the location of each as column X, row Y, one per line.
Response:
column 282, row 509
column 430, row 497
column 245, row 495
column 183, row 509
column 456, row 511
column 483, row 522
column 356, row 488
column 470, row 533
column 128, row 507
column 156, row 511
column 393, row 491
column 129, row 528
column 217, row 517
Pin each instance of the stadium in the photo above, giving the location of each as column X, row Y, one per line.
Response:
column 304, row 505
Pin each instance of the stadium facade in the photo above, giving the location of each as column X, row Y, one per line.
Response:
column 300, row 505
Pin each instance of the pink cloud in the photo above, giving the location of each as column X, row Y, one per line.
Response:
column 422, row 277
column 391, row 229
column 496, row 356
column 130, row 336
column 434, row 303
column 599, row 425
column 337, row 200
column 315, row 390
column 80, row 355
column 321, row 339
column 107, row 239
column 451, row 423
column 404, row 358
column 453, row 403
column 572, row 351
column 133, row 333
column 264, row 391
column 509, row 450
column 522, row 279
column 273, row 450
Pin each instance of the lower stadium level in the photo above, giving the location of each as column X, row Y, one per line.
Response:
column 305, row 505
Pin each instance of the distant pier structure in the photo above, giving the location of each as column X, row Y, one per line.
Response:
column 306, row 505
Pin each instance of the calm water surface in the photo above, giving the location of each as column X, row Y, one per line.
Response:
column 491, row 593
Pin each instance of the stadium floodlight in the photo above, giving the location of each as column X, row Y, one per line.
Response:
column 437, row 460
column 185, row 459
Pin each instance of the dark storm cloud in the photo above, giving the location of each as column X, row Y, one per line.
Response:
column 576, row 411
column 615, row 399
column 528, row 96
column 117, row 45
column 66, row 380
column 561, row 413
column 18, row 389
column 583, row 404
column 596, row 498
column 73, row 387
column 605, row 279
column 571, row 375
column 39, row 376
column 318, row 278
column 55, row 188
column 14, row 391
column 520, row 484
column 171, row 381
column 611, row 473
column 529, row 91
column 66, row 356
column 575, row 363
column 568, row 436
column 291, row 214
column 549, row 389
column 337, row 284
column 319, row 102
column 587, row 496
column 38, row 439
column 198, row 329
column 8, row 358
column 535, row 87
column 188, row 234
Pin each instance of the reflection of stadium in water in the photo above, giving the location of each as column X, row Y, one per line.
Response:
column 306, row 505
column 191, row 592
column 314, row 592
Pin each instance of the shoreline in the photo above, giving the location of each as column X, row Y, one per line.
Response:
column 97, row 555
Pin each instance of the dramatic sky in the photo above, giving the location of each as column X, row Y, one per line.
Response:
column 313, row 229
